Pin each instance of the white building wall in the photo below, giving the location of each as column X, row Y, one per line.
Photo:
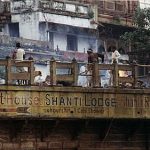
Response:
column 19, row 6
column 67, row 20
column 28, row 25
column 83, row 44
column 144, row 3
column 60, row 40
column 5, row 29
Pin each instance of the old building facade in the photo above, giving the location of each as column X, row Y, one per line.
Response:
column 72, row 25
column 70, row 118
column 65, row 25
column 5, row 16
column 114, row 18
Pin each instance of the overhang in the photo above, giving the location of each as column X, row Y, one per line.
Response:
column 67, row 20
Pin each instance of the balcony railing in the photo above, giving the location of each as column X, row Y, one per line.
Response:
column 72, row 74
column 11, row 75
column 95, row 73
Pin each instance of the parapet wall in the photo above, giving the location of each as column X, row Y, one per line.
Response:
column 73, row 103
column 7, row 40
column 38, row 49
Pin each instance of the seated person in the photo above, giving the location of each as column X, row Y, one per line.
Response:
column 2, row 81
column 82, row 78
column 39, row 79
column 47, row 80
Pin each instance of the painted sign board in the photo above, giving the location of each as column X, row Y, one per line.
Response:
column 75, row 103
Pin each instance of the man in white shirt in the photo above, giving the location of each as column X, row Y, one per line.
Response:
column 20, row 53
column 114, row 59
column 19, row 56
column 115, row 55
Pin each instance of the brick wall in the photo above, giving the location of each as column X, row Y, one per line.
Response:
column 74, row 135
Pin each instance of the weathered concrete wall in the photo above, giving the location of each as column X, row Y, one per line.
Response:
column 10, row 41
column 7, row 44
column 28, row 25
column 74, row 135
column 74, row 102
column 38, row 49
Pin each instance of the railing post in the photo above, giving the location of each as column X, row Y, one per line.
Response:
column 8, row 72
column 31, row 71
column 75, row 72
column 95, row 75
column 53, row 71
column 134, row 74
column 115, row 74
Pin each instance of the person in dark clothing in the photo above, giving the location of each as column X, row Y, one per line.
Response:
column 94, row 57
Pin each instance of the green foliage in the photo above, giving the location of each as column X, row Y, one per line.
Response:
column 140, row 37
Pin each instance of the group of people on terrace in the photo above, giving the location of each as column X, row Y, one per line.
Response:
column 85, row 79
column 85, row 73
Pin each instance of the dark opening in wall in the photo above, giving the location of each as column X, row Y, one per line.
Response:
column 72, row 42
column 14, row 29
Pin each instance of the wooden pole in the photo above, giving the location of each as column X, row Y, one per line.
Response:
column 31, row 71
column 8, row 72
column 135, row 74
column 75, row 72
column 115, row 74
column 53, row 71
column 95, row 75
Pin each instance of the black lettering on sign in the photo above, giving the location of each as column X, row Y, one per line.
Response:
column 137, row 102
column 79, row 101
column 18, row 100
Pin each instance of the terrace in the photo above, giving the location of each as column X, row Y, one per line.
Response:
column 57, row 101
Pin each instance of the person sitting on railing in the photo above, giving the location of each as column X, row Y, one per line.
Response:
column 39, row 80
column 19, row 53
column 82, row 78
column 2, row 81
column 47, row 81
column 115, row 55
column 114, row 59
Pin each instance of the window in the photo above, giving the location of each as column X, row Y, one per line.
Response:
column 14, row 29
column 101, row 4
column 119, row 6
column 114, row 5
column 72, row 42
column 110, row 5
column 50, row 38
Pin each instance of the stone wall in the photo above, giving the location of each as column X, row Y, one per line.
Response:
column 74, row 134
column 38, row 49
column 7, row 40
